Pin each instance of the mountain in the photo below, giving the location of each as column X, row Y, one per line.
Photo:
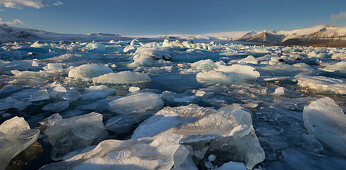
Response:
column 315, row 36
column 9, row 33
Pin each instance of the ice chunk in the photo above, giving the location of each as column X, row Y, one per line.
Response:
column 327, row 122
column 229, row 75
column 205, row 65
column 57, row 106
column 97, row 92
column 134, row 89
column 88, row 71
column 232, row 166
column 339, row 56
column 72, row 94
column 248, row 60
column 322, row 84
column 126, row 154
column 15, row 136
column 95, row 46
column 74, row 133
column 129, row 49
column 53, row 67
column 124, row 77
column 227, row 133
column 37, row 45
column 137, row 103
column 30, row 74
column 176, row 43
column 49, row 121
column 148, row 56
column 11, row 102
column 134, row 42
column 279, row 91
column 122, row 124
column 338, row 67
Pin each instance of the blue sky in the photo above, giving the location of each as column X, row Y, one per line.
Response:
column 134, row 17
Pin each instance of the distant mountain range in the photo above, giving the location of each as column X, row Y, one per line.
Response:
column 9, row 33
column 315, row 36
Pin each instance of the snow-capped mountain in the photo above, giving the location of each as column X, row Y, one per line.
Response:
column 9, row 33
column 318, row 35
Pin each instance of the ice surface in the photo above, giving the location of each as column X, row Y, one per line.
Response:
column 124, row 77
column 223, row 129
column 15, row 136
column 74, row 133
column 95, row 46
column 137, row 103
column 88, row 71
column 327, row 122
column 322, row 84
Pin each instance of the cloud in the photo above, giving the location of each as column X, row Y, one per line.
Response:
column 339, row 16
column 14, row 22
column 21, row 3
column 57, row 3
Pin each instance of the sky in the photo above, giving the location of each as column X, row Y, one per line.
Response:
column 145, row 17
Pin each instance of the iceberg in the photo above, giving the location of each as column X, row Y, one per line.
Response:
column 325, row 120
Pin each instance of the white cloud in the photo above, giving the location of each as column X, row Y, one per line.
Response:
column 58, row 3
column 21, row 3
column 339, row 16
column 14, row 22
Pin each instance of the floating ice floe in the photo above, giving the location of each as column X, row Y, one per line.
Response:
column 339, row 56
column 228, row 74
column 327, row 122
column 226, row 133
column 124, row 77
column 338, row 67
column 205, row 65
column 151, row 153
column 88, row 71
column 322, row 84
column 279, row 91
column 148, row 56
column 15, row 136
column 57, row 106
column 53, row 67
column 141, row 104
column 248, row 60
column 95, row 46
column 97, row 92
column 30, row 74
column 74, row 133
